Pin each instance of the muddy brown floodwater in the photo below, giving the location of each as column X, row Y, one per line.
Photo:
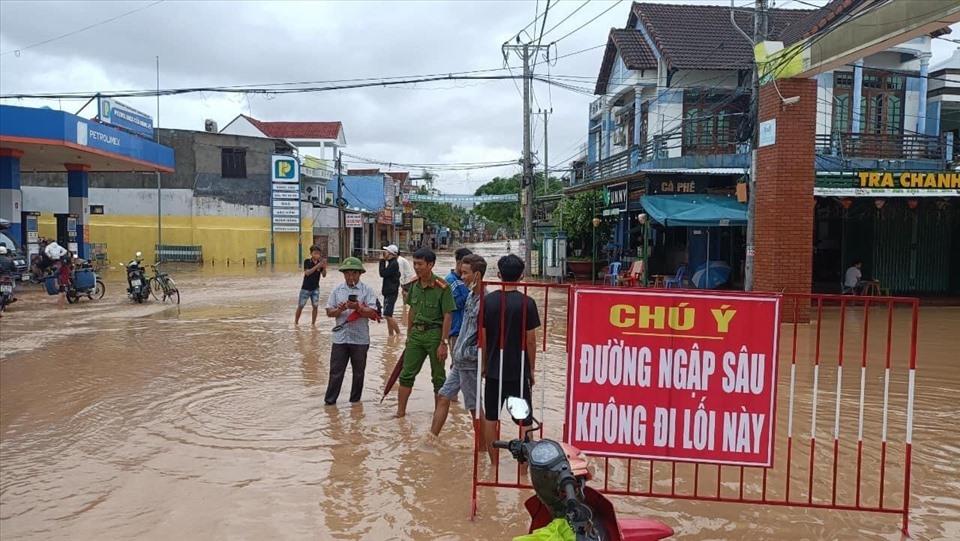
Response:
column 121, row 421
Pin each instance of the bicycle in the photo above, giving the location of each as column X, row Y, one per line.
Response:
column 162, row 286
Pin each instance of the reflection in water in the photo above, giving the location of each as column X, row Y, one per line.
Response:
column 127, row 421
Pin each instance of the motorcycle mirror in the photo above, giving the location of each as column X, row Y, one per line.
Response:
column 518, row 408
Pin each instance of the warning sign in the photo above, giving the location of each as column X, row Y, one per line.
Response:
column 673, row 376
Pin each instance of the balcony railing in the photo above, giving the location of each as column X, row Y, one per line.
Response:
column 596, row 106
column 660, row 146
column 615, row 166
column 888, row 146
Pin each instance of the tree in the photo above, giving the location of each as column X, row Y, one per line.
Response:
column 507, row 215
column 440, row 214
column 576, row 219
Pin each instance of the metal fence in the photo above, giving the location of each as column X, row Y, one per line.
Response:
column 865, row 464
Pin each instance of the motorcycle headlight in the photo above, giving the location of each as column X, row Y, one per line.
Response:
column 545, row 453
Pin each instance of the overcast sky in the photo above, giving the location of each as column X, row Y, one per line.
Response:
column 228, row 43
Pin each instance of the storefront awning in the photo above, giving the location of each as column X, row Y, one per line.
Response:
column 689, row 210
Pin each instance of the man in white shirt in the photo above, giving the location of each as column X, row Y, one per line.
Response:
column 853, row 278
column 351, row 336
column 407, row 275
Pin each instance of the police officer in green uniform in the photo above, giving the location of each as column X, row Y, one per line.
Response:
column 428, row 322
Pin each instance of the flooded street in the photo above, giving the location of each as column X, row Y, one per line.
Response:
column 206, row 421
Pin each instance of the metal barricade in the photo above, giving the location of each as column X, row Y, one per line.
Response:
column 869, row 419
column 179, row 253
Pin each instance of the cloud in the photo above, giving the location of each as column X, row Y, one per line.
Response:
column 208, row 43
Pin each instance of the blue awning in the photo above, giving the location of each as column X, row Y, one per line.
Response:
column 689, row 210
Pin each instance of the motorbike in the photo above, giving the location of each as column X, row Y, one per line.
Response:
column 84, row 282
column 138, row 288
column 563, row 501
column 7, row 284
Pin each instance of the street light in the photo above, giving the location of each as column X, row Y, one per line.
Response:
column 642, row 218
column 596, row 223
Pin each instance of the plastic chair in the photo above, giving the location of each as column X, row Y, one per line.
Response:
column 634, row 275
column 677, row 281
column 612, row 273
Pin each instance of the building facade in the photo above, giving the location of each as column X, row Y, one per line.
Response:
column 218, row 198
column 669, row 136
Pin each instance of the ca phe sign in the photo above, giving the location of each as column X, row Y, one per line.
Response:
column 685, row 377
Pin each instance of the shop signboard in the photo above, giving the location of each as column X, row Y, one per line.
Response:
column 673, row 376
column 352, row 219
column 908, row 180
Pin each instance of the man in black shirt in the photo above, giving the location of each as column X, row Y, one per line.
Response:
column 517, row 315
column 390, row 272
column 313, row 269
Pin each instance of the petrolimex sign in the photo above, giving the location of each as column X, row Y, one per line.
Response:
column 909, row 180
column 125, row 117
column 285, row 169
column 285, row 194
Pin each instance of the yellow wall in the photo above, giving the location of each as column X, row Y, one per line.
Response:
column 222, row 237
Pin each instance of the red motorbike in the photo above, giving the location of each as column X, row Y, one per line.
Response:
column 559, row 475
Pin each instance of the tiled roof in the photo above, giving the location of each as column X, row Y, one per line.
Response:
column 363, row 172
column 701, row 37
column 399, row 176
column 631, row 47
column 297, row 130
column 817, row 20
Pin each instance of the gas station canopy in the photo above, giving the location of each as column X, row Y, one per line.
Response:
column 49, row 139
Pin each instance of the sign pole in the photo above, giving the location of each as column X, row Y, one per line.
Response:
column 159, row 193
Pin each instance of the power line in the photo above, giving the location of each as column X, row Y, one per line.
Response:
column 604, row 12
column 19, row 50
column 572, row 13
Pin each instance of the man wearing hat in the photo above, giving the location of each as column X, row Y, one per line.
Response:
column 351, row 336
column 390, row 272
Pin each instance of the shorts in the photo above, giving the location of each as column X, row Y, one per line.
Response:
column 463, row 380
column 314, row 297
column 389, row 301
column 510, row 388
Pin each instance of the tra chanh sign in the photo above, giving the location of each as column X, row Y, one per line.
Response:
column 675, row 376
column 120, row 115
column 918, row 180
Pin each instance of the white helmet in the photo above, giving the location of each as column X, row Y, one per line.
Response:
column 3, row 249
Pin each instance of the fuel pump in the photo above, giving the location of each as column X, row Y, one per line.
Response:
column 31, row 233
column 67, row 231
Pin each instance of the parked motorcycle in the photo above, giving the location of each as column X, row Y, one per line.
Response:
column 7, row 284
column 563, row 501
column 138, row 288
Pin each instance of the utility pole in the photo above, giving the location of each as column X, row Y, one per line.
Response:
column 341, row 219
column 759, row 34
column 546, row 161
column 526, row 51
column 527, row 181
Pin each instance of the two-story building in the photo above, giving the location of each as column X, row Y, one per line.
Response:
column 670, row 134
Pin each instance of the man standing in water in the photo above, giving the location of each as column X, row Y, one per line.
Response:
column 510, row 358
column 460, row 292
column 313, row 269
column 463, row 374
column 351, row 339
column 390, row 272
column 428, row 322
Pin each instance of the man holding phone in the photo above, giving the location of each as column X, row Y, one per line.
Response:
column 351, row 339
column 313, row 269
